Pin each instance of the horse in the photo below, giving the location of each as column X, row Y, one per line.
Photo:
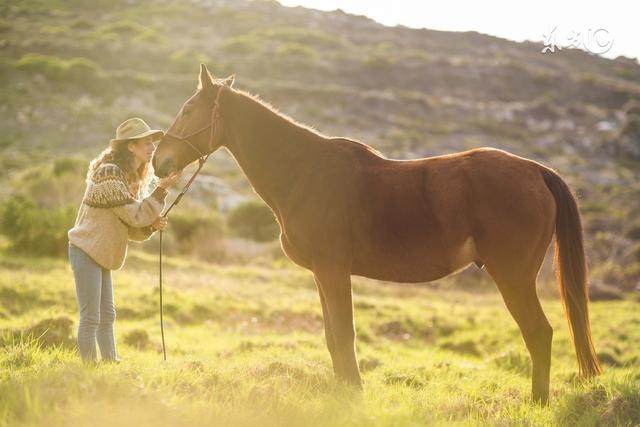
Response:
column 344, row 209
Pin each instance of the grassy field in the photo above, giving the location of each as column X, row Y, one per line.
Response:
column 246, row 347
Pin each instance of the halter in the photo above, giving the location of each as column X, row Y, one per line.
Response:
column 214, row 125
column 215, row 117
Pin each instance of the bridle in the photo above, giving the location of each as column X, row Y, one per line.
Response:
column 215, row 125
column 215, row 118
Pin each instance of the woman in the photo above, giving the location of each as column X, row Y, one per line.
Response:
column 110, row 215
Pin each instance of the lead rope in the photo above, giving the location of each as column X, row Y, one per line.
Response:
column 214, row 125
column 201, row 161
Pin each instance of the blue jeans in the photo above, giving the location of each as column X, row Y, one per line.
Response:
column 94, row 292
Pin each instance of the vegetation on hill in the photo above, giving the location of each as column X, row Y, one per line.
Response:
column 243, row 324
column 73, row 70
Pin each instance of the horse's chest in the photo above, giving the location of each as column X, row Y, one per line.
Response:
column 295, row 252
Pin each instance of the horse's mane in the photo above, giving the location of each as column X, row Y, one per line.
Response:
column 270, row 108
column 267, row 108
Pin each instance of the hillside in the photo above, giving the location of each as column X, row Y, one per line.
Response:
column 72, row 70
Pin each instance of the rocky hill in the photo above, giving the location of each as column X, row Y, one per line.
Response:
column 72, row 70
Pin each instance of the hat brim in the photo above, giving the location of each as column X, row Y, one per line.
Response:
column 142, row 135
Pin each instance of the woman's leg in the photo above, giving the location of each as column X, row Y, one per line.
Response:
column 88, row 278
column 106, row 338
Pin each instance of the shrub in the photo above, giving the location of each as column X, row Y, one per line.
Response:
column 34, row 230
column 253, row 220
column 296, row 51
column 303, row 36
column 56, row 331
column 151, row 36
column 55, row 31
column 243, row 44
column 63, row 165
column 82, row 69
column 186, row 59
column 48, row 188
column 123, row 28
column 82, row 24
column 51, row 66
column 138, row 338
column 55, row 68
column 187, row 229
column 377, row 61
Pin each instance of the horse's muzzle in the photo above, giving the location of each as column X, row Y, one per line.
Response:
column 165, row 168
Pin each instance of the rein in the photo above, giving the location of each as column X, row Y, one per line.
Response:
column 202, row 158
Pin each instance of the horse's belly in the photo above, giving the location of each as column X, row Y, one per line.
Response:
column 413, row 265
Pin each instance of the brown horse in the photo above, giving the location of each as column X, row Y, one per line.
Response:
column 344, row 209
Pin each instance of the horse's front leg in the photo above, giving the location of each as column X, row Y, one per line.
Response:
column 331, row 345
column 334, row 285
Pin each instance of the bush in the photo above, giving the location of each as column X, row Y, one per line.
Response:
column 302, row 36
column 34, row 230
column 253, row 220
column 189, row 229
column 56, row 331
column 243, row 44
column 137, row 338
column 296, row 51
column 82, row 24
column 55, row 68
column 185, row 59
column 52, row 186
column 376, row 61
column 123, row 28
column 52, row 67
column 63, row 165
column 82, row 69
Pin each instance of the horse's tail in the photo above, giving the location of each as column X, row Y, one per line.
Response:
column 571, row 272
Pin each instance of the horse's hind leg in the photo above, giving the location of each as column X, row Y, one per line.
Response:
column 522, row 301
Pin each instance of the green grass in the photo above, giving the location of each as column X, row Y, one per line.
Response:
column 246, row 347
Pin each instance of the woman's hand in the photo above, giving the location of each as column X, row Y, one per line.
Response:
column 169, row 180
column 160, row 223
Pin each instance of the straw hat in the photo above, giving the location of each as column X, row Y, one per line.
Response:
column 134, row 128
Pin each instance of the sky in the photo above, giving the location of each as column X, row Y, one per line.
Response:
column 610, row 28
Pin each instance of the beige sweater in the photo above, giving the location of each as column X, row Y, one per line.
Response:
column 109, row 216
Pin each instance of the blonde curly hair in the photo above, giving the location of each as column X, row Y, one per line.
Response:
column 117, row 152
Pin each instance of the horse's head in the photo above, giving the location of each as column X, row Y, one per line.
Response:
column 196, row 130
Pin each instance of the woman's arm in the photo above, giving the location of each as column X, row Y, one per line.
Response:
column 143, row 213
column 108, row 189
column 140, row 234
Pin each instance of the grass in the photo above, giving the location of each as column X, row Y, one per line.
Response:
column 246, row 347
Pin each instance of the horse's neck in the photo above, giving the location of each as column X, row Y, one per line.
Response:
column 272, row 152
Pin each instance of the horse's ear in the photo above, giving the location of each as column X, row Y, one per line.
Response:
column 205, row 79
column 229, row 80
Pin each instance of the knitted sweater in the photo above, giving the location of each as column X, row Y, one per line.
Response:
column 109, row 216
